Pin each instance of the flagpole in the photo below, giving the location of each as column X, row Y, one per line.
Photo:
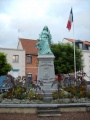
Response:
column 74, row 51
column 69, row 24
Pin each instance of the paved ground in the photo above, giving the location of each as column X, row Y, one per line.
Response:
column 64, row 116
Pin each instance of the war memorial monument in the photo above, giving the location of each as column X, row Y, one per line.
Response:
column 46, row 73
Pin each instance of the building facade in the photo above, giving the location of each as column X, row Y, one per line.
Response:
column 24, row 59
column 17, row 59
column 85, row 47
column 31, row 62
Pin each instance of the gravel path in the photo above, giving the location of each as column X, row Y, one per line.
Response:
column 64, row 116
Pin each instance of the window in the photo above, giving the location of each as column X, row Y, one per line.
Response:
column 29, row 77
column 89, row 60
column 89, row 48
column 80, row 45
column 29, row 59
column 15, row 58
column 89, row 69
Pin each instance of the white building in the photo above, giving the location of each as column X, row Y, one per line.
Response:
column 86, row 58
column 16, row 58
column 85, row 47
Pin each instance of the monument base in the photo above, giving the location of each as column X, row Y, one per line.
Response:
column 46, row 75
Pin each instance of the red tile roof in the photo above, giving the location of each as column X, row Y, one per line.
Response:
column 29, row 45
column 73, row 40
column 86, row 42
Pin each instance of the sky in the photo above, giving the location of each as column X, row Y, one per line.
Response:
column 26, row 19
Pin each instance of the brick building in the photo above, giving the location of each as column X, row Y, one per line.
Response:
column 31, row 62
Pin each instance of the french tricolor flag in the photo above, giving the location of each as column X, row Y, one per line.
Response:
column 70, row 20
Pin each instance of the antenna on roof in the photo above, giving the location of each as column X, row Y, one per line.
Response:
column 19, row 30
column 18, row 33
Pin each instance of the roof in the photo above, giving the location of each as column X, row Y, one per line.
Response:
column 29, row 45
column 73, row 40
column 86, row 42
column 11, row 49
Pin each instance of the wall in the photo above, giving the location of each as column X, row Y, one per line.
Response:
column 18, row 65
column 86, row 57
column 32, row 68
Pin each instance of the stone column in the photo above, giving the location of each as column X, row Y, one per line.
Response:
column 46, row 74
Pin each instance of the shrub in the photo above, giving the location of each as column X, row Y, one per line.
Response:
column 39, row 97
column 88, row 93
column 31, row 95
column 59, row 95
column 17, row 92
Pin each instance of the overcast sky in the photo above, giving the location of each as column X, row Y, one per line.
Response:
column 30, row 16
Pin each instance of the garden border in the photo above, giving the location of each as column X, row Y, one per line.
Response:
column 32, row 108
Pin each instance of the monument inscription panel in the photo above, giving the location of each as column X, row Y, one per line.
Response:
column 46, row 68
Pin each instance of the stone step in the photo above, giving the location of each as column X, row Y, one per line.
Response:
column 48, row 111
column 46, row 91
column 48, row 86
column 48, row 108
column 49, row 115
column 47, row 98
column 47, row 95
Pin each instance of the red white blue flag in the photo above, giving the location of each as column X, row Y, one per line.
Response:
column 70, row 20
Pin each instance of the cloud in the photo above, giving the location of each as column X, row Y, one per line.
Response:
column 31, row 16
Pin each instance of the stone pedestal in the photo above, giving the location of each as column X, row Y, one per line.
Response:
column 46, row 74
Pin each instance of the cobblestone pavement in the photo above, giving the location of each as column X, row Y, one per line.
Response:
column 64, row 116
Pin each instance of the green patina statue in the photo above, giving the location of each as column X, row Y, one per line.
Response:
column 44, row 42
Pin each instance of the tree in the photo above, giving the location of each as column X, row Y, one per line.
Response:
column 64, row 58
column 5, row 67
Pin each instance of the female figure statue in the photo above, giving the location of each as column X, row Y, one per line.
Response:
column 44, row 42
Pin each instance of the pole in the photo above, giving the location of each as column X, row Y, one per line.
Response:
column 18, row 33
column 74, row 61
column 74, row 52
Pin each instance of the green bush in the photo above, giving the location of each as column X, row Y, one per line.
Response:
column 31, row 95
column 59, row 95
column 39, row 97
column 17, row 92
column 88, row 93
column 21, row 96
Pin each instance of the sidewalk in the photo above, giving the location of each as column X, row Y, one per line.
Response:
column 64, row 116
